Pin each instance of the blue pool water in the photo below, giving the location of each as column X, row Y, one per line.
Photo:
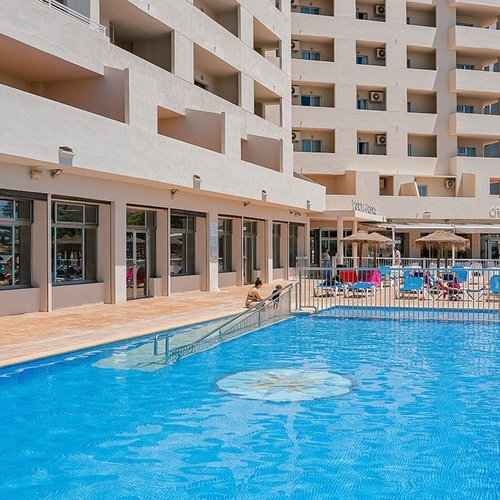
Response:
column 311, row 408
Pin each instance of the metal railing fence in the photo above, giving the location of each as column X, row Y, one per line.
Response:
column 264, row 313
column 425, row 293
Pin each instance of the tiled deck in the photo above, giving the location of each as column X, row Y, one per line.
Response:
column 37, row 335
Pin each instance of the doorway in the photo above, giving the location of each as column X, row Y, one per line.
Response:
column 490, row 246
column 249, row 250
column 137, row 264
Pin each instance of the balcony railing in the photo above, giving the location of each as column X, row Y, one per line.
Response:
column 75, row 15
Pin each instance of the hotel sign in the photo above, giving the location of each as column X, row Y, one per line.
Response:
column 361, row 206
column 495, row 213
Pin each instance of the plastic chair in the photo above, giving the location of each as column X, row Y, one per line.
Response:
column 412, row 285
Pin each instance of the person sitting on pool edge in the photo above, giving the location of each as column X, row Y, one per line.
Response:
column 253, row 296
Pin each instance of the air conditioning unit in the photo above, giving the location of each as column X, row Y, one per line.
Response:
column 380, row 139
column 379, row 10
column 380, row 53
column 295, row 136
column 295, row 90
column 449, row 183
column 295, row 45
column 376, row 96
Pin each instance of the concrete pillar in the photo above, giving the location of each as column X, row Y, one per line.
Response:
column 340, row 244
column 213, row 252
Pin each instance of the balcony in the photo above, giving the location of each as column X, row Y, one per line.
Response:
column 57, row 5
column 475, row 39
column 486, row 127
column 484, row 82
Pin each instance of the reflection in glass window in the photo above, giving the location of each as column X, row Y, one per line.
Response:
column 310, row 100
column 422, row 190
column 311, row 146
column 15, row 242
column 293, row 238
column 225, row 245
column 466, row 151
column 361, row 103
column 74, row 243
column 310, row 55
column 276, row 246
column 182, row 244
column 309, row 10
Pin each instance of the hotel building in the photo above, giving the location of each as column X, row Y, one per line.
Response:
column 154, row 147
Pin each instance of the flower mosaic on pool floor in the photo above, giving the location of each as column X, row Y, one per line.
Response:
column 286, row 384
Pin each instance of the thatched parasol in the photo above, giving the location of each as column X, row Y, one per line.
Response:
column 375, row 240
column 443, row 241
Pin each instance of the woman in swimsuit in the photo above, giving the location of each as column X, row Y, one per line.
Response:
column 254, row 296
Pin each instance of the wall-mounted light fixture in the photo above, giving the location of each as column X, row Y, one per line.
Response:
column 54, row 173
column 197, row 178
column 308, row 204
column 36, row 173
column 173, row 192
column 264, row 195
column 197, row 181
column 246, row 203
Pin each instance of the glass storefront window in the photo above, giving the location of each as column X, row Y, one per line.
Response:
column 15, row 242
column 182, row 244
column 74, row 243
column 225, row 245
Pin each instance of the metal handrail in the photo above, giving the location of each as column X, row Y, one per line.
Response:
column 75, row 14
column 255, row 307
column 235, row 323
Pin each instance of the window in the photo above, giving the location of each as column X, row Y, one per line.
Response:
column 182, row 244
column 466, row 66
column 408, row 107
column 310, row 55
column 466, row 151
column 15, row 242
column 495, row 188
column 465, row 108
column 74, row 243
column 360, row 59
column 309, row 10
column 422, row 190
column 408, row 63
column 202, row 85
column 361, row 103
column 362, row 148
column 225, row 245
column 276, row 246
column 361, row 15
column 293, row 239
column 311, row 146
column 310, row 100
column 409, row 149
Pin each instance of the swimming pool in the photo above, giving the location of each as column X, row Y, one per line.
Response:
column 311, row 408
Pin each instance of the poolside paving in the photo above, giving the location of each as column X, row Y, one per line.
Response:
column 37, row 335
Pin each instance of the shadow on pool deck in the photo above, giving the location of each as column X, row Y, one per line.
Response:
column 36, row 335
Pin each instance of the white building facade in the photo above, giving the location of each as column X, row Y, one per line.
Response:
column 150, row 148
column 145, row 150
column 395, row 112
